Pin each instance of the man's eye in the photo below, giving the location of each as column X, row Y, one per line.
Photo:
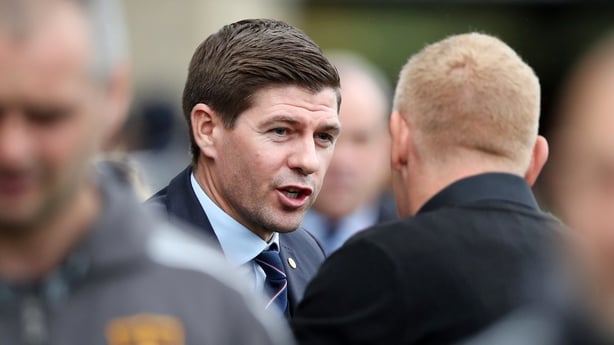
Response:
column 280, row 131
column 47, row 116
column 325, row 137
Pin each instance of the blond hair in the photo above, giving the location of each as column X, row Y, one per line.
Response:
column 471, row 92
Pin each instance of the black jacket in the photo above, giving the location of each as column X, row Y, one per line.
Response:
column 476, row 251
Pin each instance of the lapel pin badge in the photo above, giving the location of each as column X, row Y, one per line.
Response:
column 292, row 263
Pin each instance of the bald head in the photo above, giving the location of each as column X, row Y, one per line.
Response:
column 99, row 22
column 57, row 42
column 471, row 93
column 54, row 115
column 52, row 28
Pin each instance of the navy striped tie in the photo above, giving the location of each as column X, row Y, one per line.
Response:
column 276, row 284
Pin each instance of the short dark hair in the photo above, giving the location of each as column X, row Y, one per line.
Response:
column 247, row 56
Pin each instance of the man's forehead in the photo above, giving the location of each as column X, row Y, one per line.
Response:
column 60, row 41
column 53, row 30
column 51, row 64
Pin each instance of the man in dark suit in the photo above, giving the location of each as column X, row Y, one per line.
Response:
column 473, row 245
column 262, row 105
column 355, row 193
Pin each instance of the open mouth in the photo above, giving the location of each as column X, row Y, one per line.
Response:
column 296, row 192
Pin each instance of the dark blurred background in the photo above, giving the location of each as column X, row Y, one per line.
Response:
column 550, row 35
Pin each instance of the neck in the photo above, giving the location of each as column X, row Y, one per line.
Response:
column 38, row 250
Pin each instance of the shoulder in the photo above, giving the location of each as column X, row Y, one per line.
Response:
column 178, row 183
column 201, row 277
column 158, row 201
column 175, row 198
column 302, row 240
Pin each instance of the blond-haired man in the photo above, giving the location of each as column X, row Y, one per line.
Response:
column 473, row 245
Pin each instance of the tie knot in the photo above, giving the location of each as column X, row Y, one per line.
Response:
column 271, row 264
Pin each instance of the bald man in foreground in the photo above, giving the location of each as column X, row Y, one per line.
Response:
column 81, row 261
column 473, row 244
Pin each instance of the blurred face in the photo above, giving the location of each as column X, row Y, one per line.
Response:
column 582, row 175
column 268, row 169
column 46, row 121
column 360, row 166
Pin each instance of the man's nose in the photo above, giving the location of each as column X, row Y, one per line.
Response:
column 305, row 157
column 15, row 139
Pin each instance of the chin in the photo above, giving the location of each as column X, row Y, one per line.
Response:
column 283, row 231
column 286, row 227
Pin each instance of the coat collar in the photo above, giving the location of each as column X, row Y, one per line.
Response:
column 488, row 186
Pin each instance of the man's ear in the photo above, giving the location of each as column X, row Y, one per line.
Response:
column 205, row 121
column 538, row 159
column 399, row 140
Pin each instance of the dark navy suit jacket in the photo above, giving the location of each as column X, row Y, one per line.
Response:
column 180, row 202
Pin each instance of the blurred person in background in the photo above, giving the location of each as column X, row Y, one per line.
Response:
column 355, row 193
column 262, row 103
column 578, row 183
column 473, row 245
column 156, row 139
column 81, row 261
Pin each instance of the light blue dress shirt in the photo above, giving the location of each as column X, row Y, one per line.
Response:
column 239, row 244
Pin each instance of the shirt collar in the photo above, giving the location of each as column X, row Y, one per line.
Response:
column 488, row 186
column 239, row 244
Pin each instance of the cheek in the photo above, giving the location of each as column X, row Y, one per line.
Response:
column 69, row 145
column 325, row 156
column 248, row 168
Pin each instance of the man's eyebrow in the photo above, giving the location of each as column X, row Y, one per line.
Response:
column 281, row 118
column 334, row 129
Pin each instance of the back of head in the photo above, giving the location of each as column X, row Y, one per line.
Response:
column 247, row 56
column 471, row 93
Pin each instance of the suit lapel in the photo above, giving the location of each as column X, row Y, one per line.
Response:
column 299, row 268
column 295, row 285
